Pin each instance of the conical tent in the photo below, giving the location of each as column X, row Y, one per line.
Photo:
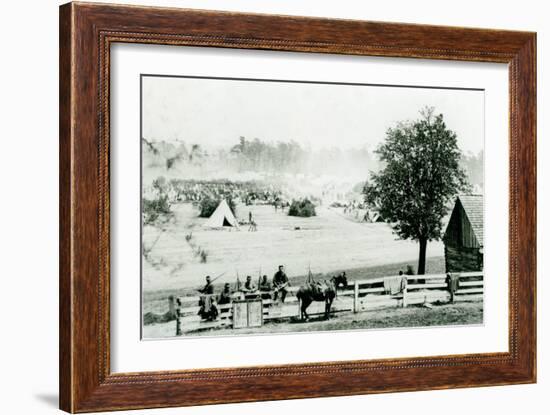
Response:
column 222, row 216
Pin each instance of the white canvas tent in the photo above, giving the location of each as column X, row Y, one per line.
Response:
column 221, row 217
column 372, row 216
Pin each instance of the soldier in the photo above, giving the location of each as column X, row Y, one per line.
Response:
column 207, row 303
column 265, row 285
column 265, row 288
column 225, row 295
column 249, row 286
column 280, row 282
column 208, row 287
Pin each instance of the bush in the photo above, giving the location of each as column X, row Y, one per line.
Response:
column 156, row 209
column 303, row 208
column 209, row 204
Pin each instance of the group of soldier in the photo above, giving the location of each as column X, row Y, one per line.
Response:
column 194, row 191
column 208, row 300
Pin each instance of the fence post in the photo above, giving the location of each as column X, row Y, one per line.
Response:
column 171, row 306
column 405, row 292
column 178, row 323
column 178, row 315
column 355, row 296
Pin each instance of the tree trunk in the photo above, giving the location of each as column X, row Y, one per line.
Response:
column 422, row 256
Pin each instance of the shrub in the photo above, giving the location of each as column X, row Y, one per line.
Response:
column 156, row 210
column 160, row 184
column 303, row 208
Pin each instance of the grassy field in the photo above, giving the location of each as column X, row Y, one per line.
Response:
column 414, row 316
column 328, row 243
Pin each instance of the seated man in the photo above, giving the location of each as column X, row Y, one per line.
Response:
column 249, row 286
column 280, row 283
column 265, row 285
column 225, row 296
column 265, row 288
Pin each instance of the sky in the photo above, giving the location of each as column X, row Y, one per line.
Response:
column 216, row 112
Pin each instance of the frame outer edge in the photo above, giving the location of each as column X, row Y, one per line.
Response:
column 527, row 119
column 66, row 120
column 82, row 388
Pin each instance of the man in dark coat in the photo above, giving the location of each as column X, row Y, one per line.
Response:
column 207, row 302
column 265, row 285
column 249, row 286
column 225, row 295
column 280, row 283
column 208, row 287
column 265, row 288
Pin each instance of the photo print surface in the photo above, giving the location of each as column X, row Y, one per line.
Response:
column 276, row 206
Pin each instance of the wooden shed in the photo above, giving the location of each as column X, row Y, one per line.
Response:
column 464, row 235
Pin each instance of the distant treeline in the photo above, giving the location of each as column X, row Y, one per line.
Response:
column 255, row 155
column 259, row 156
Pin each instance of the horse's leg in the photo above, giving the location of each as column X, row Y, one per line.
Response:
column 328, row 305
column 305, row 305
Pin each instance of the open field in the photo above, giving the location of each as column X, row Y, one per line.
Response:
column 415, row 316
column 328, row 243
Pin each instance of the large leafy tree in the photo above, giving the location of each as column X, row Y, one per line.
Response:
column 421, row 175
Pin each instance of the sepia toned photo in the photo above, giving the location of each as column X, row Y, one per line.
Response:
column 277, row 206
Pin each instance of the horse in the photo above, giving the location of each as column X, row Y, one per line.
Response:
column 316, row 292
column 340, row 280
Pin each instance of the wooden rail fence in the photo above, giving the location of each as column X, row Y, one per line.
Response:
column 360, row 295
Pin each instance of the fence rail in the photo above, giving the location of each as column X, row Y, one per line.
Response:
column 359, row 296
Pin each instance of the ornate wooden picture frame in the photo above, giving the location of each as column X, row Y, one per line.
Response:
column 87, row 32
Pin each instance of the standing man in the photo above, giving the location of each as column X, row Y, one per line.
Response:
column 208, row 287
column 207, row 302
column 280, row 283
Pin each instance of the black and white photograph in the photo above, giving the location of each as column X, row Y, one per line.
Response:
column 281, row 206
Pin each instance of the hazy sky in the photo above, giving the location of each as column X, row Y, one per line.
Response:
column 215, row 112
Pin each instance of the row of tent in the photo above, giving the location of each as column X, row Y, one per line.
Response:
column 224, row 217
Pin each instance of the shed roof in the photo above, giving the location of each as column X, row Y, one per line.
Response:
column 473, row 206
